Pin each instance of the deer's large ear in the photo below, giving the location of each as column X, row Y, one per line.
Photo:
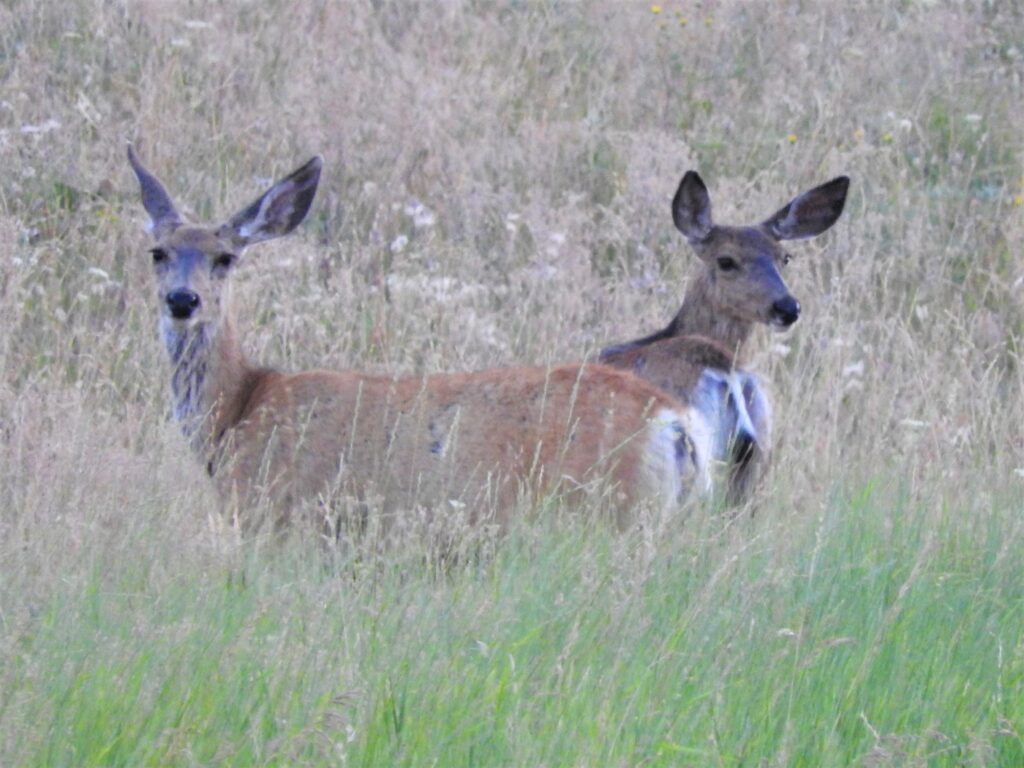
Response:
column 691, row 208
column 278, row 211
column 811, row 213
column 162, row 213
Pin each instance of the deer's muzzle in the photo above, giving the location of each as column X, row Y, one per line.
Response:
column 182, row 303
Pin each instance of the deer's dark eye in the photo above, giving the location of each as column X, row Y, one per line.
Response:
column 786, row 258
column 159, row 255
column 223, row 260
column 727, row 264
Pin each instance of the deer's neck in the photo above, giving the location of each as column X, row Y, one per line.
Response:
column 208, row 376
column 700, row 316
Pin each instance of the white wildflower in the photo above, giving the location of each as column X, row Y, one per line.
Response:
column 422, row 216
column 854, row 369
column 398, row 244
column 44, row 127
column 913, row 424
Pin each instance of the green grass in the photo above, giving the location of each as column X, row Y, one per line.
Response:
column 882, row 632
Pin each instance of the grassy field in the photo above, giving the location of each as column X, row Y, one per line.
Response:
column 496, row 191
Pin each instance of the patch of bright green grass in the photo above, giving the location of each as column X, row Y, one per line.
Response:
column 880, row 631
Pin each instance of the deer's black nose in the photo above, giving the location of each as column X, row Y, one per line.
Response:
column 182, row 303
column 785, row 311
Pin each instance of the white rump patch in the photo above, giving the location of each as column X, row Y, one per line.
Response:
column 677, row 460
column 739, row 402
column 722, row 399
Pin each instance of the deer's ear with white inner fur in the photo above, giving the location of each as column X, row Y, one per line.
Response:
column 277, row 211
column 163, row 216
column 691, row 208
column 811, row 213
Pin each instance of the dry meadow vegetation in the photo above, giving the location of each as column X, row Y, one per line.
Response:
column 497, row 187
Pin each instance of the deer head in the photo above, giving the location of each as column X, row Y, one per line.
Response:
column 743, row 265
column 192, row 263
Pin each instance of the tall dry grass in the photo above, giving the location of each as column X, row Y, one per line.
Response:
column 496, row 193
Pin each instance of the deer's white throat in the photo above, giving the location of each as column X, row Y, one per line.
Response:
column 189, row 350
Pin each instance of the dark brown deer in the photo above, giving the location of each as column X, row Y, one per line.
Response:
column 699, row 356
column 294, row 439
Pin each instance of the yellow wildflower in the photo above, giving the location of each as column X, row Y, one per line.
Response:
column 1018, row 200
column 655, row 9
column 791, row 138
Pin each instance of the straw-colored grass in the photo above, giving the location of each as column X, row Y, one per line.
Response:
column 496, row 192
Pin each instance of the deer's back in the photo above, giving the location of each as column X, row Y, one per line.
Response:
column 479, row 437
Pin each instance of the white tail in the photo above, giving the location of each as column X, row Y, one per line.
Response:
column 301, row 438
column 698, row 357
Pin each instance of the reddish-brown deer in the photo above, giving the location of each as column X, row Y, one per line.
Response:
column 294, row 440
column 699, row 356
